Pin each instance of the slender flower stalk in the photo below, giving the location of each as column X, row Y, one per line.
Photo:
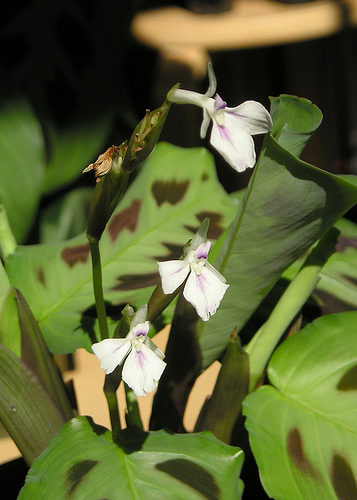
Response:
column 98, row 289
column 232, row 128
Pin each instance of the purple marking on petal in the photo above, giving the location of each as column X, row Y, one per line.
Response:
column 201, row 282
column 225, row 133
column 118, row 348
column 219, row 103
column 140, row 359
column 203, row 250
column 138, row 333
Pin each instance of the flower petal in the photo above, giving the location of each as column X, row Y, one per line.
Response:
column 142, row 370
column 140, row 329
column 173, row 273
column 203, row 250
column 111, row 353
column 250, row 116
column 235, row 145
column 214, row 271
column 204, row 292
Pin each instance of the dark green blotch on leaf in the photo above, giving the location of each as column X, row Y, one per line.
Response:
column 76, row 473
column 127, row 219
column 343, row 480
column 193, row 475
column 73, row 255
column 297, row 453
column 348, row 382
column 172, row 192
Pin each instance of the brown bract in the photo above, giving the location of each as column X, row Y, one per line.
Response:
column 104, row 162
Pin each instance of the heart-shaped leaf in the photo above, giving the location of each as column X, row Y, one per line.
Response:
column 82, row 461
column 302, row 429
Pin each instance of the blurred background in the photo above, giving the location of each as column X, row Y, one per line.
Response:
column 87, row 70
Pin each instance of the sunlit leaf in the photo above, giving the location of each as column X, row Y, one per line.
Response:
column 288, row 205
column 302, row 429
column 82, row 461
column 175, row 190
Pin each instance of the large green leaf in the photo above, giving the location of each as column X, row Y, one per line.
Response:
column 22, row 164
column 303, row 429
column 82, row 462
column 288, row 205
column 176, row 189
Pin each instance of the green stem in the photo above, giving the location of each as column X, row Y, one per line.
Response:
column 98, row 289
column 114, row 414
column 262, row 345
column 133, row 415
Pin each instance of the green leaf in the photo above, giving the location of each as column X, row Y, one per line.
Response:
column 35, row 355
column 4, row 284
column 311, row 452
column 21, row 164
column 10, row 331
column 294, row 120
column 339, row 275
column 288, row 206
column 73, row 147
column 337, row 287
column 83, row 462
column 65, row 217
column 7, row 239
column 288, row 307
column 224, row 406
column 174, row 191
column 27, row 411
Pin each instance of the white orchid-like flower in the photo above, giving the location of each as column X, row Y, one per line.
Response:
column 143, row 365
column 232, row 128
column 205, row 286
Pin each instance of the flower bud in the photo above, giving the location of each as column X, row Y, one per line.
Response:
column 111, row 182
column 145, row 137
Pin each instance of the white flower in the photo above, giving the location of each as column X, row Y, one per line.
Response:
column 143, row 364
column 232, row 128
column 205, row 286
